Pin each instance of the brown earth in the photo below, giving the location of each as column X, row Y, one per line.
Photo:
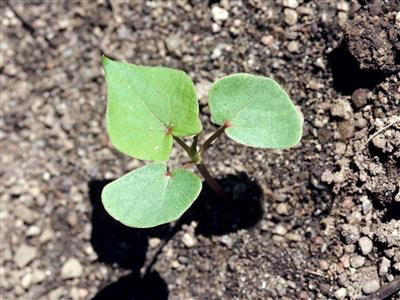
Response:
column 321, row 221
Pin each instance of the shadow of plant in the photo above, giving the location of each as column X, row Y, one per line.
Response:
column 115, row 243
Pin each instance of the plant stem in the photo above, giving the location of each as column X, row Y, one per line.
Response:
column 211, row 139
column 214, row 185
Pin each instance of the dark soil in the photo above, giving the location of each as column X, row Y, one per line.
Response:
column 320, row 221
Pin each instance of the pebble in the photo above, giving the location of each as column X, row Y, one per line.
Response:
column 357, row 261
column 188, row 240
column 72, row 268
column 290, row 3
column 359, row 97
column 267, row 40
column 46, row 236
column 282, row 209
column 26, row 281
column 340, row 293
column 293, row 47
column 290, row 16
column 56, row 294
column 365, row 245
column 25, row 214
column 280, row 229
column 72, row 219
column 226, row 240
column 371, row 286
column 38, row 276
column 342, row 109
column 219, row 13
column 384, row 266
column 350, row 233
column 33, row 231
column 202, row 88
column 216, row 53
column 324, row 265
column 24, row 255
column 154, row 242
column 366, row 205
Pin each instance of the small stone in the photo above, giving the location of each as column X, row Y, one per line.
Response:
column 365, row 245
column 371, row 286
column 226, row 240
column 267, row 40
column 26, row 281
column 366, row 205
column 25, row 214
column 176, row 265
column 216, row 53
column 24, row 255
column 33, row 231
column 202, row 88
column 319, row 62
column 359, row 97
column 357, row 261
column 324, row 265
column 384, row 266
column 282, row 209
column 350, row 233
column 342, row 6
column 188, row 240
column 154, row 242
column 290, row 3
column 340, row 293
column 342, row 109
column 280, row 229
column 72, row 219
column 72, row 268
column 56, row 294
column 398, row 18
column 290, row 16
column 38, row 276
column 345, row 260
column 219, row 13
column 293, row 47
column 173, row 44
column 313, row 85
column 46, row 236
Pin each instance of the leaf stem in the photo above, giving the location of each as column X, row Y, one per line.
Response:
column 212, row 138
column 182, row 144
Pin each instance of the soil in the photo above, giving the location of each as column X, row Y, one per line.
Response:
column 320, row 221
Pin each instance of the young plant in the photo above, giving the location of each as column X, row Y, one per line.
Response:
column 151, row 107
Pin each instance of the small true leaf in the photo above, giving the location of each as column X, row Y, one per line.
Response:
column 147, row 106
column 257, row 110
column 150, row 196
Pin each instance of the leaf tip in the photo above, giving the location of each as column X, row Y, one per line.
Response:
column 105, row 60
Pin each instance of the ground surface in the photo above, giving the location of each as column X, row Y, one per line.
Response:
column 321, row 221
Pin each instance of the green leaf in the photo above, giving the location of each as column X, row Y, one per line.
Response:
column 256, row 110
column 150, row 196
column 147, row 106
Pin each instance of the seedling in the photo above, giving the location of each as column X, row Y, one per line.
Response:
column 151, row 107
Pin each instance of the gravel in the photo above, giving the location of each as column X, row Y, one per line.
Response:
column 371, row 286
column 365, row 245
column 72, row 268
column 24, row 255
column 327, row 194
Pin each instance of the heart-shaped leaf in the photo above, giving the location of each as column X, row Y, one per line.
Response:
column 256, row 110
column 150, row 196
column 147, row 106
